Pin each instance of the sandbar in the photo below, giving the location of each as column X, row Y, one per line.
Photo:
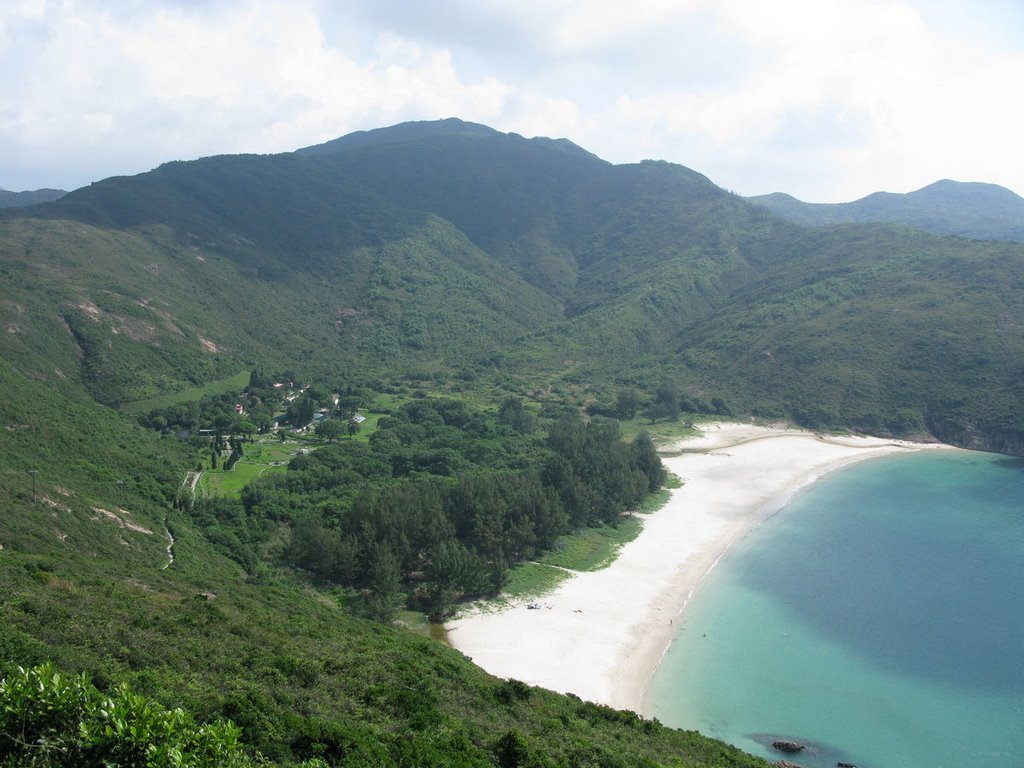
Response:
column 601, row 635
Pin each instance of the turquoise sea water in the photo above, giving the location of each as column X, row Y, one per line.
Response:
column 879, row 617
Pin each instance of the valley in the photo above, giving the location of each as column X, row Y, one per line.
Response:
column 512, row 320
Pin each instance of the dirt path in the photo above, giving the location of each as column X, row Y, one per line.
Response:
column 192, row 480
column 170, row 546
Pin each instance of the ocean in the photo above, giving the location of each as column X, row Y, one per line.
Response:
column 879, row 619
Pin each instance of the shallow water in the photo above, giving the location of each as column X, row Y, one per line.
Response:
column 879, row 617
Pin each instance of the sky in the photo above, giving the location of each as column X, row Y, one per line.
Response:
column 828, row 100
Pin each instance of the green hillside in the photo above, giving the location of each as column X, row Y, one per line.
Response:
column 449, row 249
column 878, row 329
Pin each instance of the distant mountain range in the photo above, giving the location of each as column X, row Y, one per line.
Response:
column 968, row 209
column 18, row 199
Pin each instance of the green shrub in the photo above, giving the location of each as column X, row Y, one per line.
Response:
column 50, row 718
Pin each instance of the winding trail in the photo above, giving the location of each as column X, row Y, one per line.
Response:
column 190, row 482
column 170, row 547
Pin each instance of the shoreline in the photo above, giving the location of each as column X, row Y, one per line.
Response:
column 601, row 635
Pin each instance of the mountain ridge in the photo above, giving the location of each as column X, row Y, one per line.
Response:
column 945, row 207
column 10, row 199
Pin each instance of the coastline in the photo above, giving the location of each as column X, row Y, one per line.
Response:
column 601, row 635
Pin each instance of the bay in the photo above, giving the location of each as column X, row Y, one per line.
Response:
column 879, row 618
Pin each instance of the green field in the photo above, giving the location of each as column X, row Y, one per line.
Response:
column 593, row 548
column 234, row 383
column 533, row 580
column 266, row 454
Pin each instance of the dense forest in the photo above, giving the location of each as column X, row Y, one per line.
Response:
column 438, row 503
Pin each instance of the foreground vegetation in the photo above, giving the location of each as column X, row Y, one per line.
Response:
column 300, row 677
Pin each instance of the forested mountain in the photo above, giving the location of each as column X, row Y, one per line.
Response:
column 426, row 259
column 447, row 246
column 29, row 197
column 968, row 209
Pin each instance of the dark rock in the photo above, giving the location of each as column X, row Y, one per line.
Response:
column 787, row 764
column 785, row 745
column 845, row 765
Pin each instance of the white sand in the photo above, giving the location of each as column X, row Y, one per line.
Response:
column 601, row 635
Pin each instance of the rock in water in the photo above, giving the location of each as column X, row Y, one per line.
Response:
column 786, row 745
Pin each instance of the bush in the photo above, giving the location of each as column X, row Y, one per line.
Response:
column 50, row 718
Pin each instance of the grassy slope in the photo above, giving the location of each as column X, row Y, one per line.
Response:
column 136, row 315
column 303, row 679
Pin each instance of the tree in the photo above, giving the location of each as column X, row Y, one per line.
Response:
column 301, row 411
column 348, row 404
column 319, row 394
column 627, row 403
column 331, row 429
column 50, row 718
column 648, row 461
column 666, row 402
column 385, row 583
column 515, row 415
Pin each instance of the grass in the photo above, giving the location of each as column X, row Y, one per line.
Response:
column 660, row 497
column 533, row 580
column 266, row 454
column 231, row 483
column 381, row 408
column 593, row 548
column 235, row 383
column 662, row 432
column 589, row 550
column 419, row 623
column 369, row 426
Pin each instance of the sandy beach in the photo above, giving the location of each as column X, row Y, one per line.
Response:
column 601, row 635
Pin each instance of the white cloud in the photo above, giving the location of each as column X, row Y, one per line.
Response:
column 827, row 99
column 899, row 105
column 177, row 83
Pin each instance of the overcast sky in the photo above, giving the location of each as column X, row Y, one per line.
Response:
column 828, row 100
